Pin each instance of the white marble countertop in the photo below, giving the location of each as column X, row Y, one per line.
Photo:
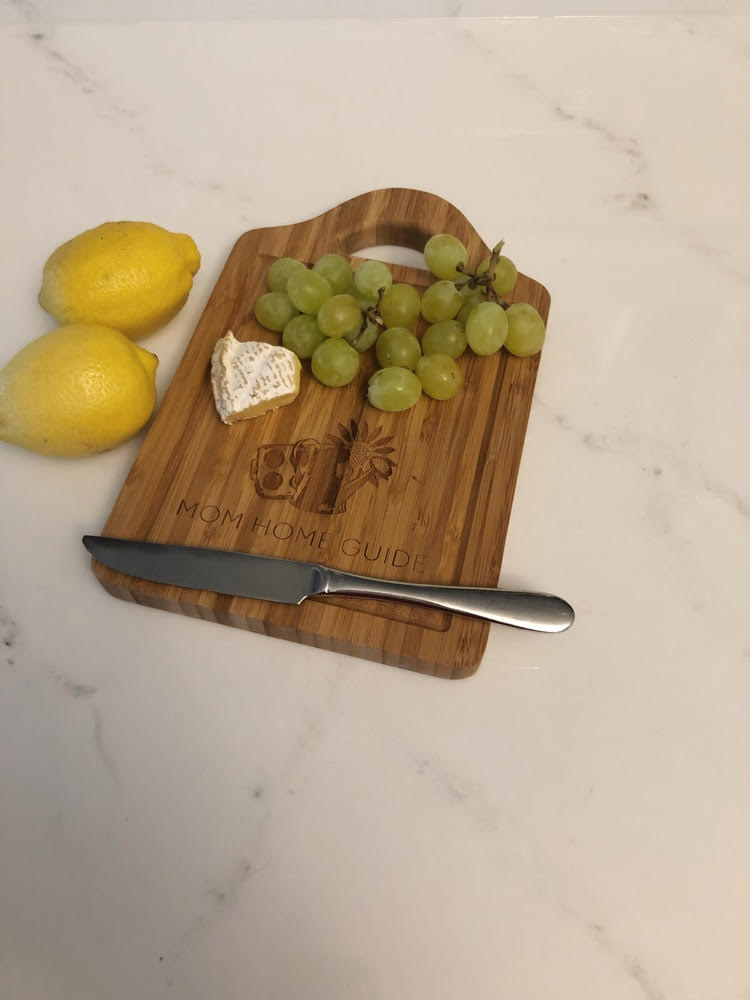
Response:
column 192, row 811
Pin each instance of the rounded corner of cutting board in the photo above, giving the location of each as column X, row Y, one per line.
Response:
column 545, row 299
column 111, row 581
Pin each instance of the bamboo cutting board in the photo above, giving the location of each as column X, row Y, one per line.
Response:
column 424, row 495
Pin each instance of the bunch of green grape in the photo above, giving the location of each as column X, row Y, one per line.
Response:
column 332, row 315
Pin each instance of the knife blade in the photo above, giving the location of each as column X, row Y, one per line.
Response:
column 287, row 581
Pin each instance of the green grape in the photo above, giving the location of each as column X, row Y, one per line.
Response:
column 336, row 270
column 302, row 335
column 363, row 339
column 393, row 389
column 274, row 310
column 447, row 337
column 308, row 290
column 440, row 376
column 339, row 316
column 472, row 297
column 486, row 328
column 334, row 362
column 371, row 276
column 400, row 306
column 281, row 270
column 525, row 330
column 397, row 348
column 442, row 254
column 505, row 274
column 440, row 301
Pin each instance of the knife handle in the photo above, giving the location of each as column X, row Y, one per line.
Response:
column 540, row 612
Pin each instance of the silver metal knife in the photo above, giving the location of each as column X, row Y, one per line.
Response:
column 289, row 582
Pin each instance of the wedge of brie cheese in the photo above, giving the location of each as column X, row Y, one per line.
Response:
column 250, row 378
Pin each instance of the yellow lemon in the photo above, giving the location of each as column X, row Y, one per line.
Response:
column 76, row 390
column 133, row 276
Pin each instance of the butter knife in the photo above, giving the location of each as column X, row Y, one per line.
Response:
column 289, row 582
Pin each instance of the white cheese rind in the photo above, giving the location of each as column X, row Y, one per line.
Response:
column 251, row 378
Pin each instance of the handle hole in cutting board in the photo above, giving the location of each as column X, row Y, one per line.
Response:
column 392, row 254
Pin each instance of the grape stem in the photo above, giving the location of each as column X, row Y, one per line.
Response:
column 372, row 313
column 484, row 280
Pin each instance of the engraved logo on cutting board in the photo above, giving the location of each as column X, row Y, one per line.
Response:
column 322, row 476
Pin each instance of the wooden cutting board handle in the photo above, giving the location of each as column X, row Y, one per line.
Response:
column 387, row 217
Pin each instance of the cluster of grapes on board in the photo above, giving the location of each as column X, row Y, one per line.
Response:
column 331, row 315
